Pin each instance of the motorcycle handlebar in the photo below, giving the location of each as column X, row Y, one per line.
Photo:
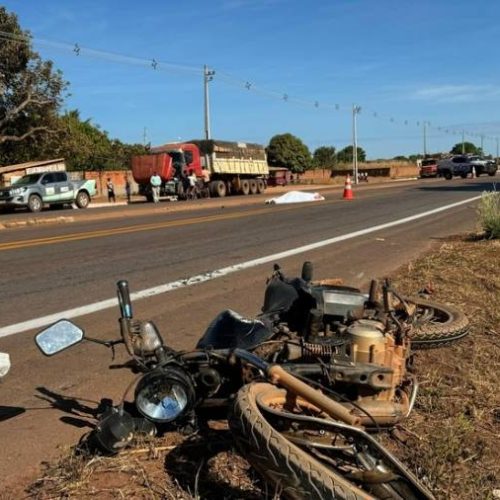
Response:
column 124, row 299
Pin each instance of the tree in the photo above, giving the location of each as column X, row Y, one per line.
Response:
column 468, row 148
column 31, row 92
column 324, row 157
column 415, row 157
column 286, row 150
column 345, row 155
column 86, row 147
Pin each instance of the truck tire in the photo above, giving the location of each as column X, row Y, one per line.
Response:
column 492, row 174
column 35, row 203
column 82, row 199
column 293, row 472
column 245, row 187
column 218, row 189
column 261, row 186
column 448, row 175
column 463, row 175
column 253, row 186
column 437, row 325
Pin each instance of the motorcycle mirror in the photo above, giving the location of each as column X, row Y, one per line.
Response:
column 58, row 337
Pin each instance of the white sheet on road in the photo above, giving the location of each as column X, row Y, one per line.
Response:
column 295, row 197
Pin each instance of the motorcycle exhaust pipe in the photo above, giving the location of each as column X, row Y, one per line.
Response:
column 277, row 375
column 333, row 409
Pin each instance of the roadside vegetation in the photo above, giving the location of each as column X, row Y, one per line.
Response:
column 489, row 214
column 32, row 123
column 452, row 437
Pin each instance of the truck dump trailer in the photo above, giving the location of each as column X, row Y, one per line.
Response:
column 231, row 167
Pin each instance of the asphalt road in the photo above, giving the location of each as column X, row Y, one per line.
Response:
column 53, row 268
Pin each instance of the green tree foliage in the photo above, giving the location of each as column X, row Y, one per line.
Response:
column 324, row 157
column 468, row 148
column 86, row 147
column 286, row 150
column 32, row 92
column 345, row 155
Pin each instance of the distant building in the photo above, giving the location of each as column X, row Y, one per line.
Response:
column 10, row 173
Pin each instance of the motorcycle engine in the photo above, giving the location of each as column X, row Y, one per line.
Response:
column 367, row 341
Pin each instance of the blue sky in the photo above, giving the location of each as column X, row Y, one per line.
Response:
column 404, row 62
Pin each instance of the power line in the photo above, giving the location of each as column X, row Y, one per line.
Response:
column 244, row 84
column 81, row 50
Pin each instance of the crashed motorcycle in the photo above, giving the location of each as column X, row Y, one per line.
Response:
column 353, row 348
column 364, row 346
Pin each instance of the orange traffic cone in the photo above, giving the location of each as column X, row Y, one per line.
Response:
column 348, row 189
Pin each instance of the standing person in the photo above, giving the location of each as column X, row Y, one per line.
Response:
column 127, row 188
column 192, row 184
column 111, row 190
column 155, row 186
column 205, row 175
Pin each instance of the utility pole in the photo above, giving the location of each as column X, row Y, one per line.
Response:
column 144, row 136
column 463, row 142
column 208, row 76
column 355, row 110
column 482, row 140
column 424, row 123
column 497, row 151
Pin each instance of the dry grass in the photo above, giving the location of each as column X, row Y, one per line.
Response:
column 171, row 467
column 454, row 432
column 451, row 440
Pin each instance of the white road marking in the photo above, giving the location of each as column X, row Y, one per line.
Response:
column 201, row 278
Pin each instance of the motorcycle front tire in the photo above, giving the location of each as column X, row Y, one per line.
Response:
column 294, row 473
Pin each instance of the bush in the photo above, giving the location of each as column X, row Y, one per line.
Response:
column 489, row 214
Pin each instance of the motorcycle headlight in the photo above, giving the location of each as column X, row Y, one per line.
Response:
column 165, row 394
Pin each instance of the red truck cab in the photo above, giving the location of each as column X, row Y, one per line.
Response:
column 169, row 162
column 429, row 168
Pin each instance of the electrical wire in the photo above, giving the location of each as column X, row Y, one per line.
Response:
column 228, row 79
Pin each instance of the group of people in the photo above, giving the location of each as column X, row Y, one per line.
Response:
column 363, row 177
column 110, row 188
column 189, row 183
column 192, row 186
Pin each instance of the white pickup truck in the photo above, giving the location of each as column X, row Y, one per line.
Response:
column 47, row 188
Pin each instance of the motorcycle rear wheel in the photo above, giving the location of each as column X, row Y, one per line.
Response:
column 290, row 461
column 437, row 325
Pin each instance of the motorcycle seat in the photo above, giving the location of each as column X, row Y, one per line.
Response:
column 230, row 330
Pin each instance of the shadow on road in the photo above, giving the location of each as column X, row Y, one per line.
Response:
column 82, row 414
column 476, row 187
column 7, row 412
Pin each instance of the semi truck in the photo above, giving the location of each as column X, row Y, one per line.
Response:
column 230, row 167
